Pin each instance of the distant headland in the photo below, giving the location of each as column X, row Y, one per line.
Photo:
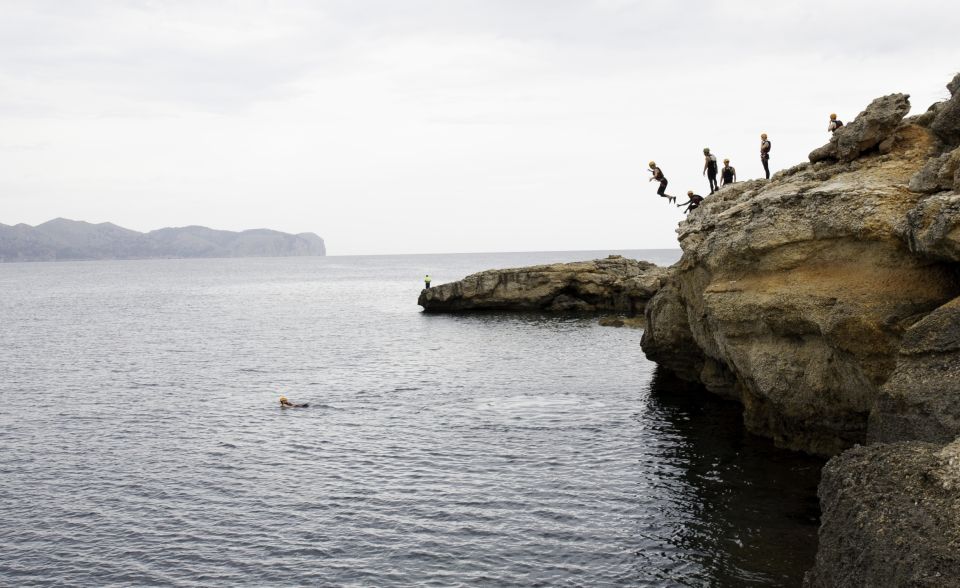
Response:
column 63, row 239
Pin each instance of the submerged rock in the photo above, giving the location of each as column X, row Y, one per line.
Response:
column 891, row 517
column 635, row 322
column 614, row 284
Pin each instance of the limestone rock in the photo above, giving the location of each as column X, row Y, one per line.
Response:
column 939, row 174
column 891, row 517
column 667, row 339
column 921, row 400
column 873, row 128
column 614, row 284
column 934, row 227
column 946, row 123
column 793, row 295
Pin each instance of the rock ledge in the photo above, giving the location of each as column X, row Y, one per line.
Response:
column 615, row 284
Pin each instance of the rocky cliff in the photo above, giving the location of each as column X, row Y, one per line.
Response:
column 891, row 517
column 827, row 301
column 824, row 299
column 63, row 239
column 615, row 284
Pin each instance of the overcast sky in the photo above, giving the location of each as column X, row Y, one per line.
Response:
column 412, row 126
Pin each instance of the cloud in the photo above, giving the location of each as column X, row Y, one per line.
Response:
column 500, row 125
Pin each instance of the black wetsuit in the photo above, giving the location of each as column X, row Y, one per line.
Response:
column 712, row 173
column 662, row 190
column 765, row 157
column 727, row 174
column 694, row 202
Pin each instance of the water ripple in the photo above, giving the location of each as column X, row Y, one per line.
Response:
column 143, row 444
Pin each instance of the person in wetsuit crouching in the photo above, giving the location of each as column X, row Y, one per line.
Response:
column 694, row 202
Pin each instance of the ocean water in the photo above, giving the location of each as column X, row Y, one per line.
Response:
column 142, row 443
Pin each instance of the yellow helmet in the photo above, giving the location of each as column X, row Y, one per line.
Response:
column 653, row 164
column 833, row 117
column 706, row 150
column 726, row 161
column 283, row 399
column 689, row 192
column 763, row 135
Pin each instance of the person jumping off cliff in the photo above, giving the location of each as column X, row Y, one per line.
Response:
column 765, row 154
column 835, row 123
column 710, row 169
column 693, row 202
column 658, row 175
column 728, row 174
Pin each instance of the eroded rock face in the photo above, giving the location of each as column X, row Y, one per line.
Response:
column 934, row 227
column 921, row 400
column 946, row 122
column 938, row 174
column 873, row 128
column 615, row 284
column 797, row 293
column 891, row 517
column 828, row 302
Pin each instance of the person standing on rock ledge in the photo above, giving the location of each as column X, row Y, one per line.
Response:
column 658, row 175
column 426, row 281
column 710, row 169
column 835, row 123
column 694, row 202
column 728, row 174
column 765, row 153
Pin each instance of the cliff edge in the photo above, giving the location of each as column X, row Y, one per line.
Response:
column 825, row 299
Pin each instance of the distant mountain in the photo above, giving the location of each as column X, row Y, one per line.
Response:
column 63, row 239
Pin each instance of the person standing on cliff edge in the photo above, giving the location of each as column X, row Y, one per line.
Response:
column 765, row 154
column 710, row 169
column 426, row 281
column 728, row 174
column 835, row 123
column 658, row 175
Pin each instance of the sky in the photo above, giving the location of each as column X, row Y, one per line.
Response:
column 429, row 126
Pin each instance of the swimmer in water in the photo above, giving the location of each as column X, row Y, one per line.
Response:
column 284, row 403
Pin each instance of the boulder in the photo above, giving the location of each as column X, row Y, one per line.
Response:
column 872, row 129
column 921, row 400
column 938, row 174
column 946, row 123
column 891, row 517
column 933, row 227
column 614, row 284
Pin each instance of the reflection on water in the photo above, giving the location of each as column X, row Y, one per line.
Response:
column 142, row 444
column 749, row 514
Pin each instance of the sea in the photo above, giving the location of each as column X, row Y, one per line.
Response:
column 142, row 442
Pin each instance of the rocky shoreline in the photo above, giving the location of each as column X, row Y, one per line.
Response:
column 827, row 302
column 614, row 284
